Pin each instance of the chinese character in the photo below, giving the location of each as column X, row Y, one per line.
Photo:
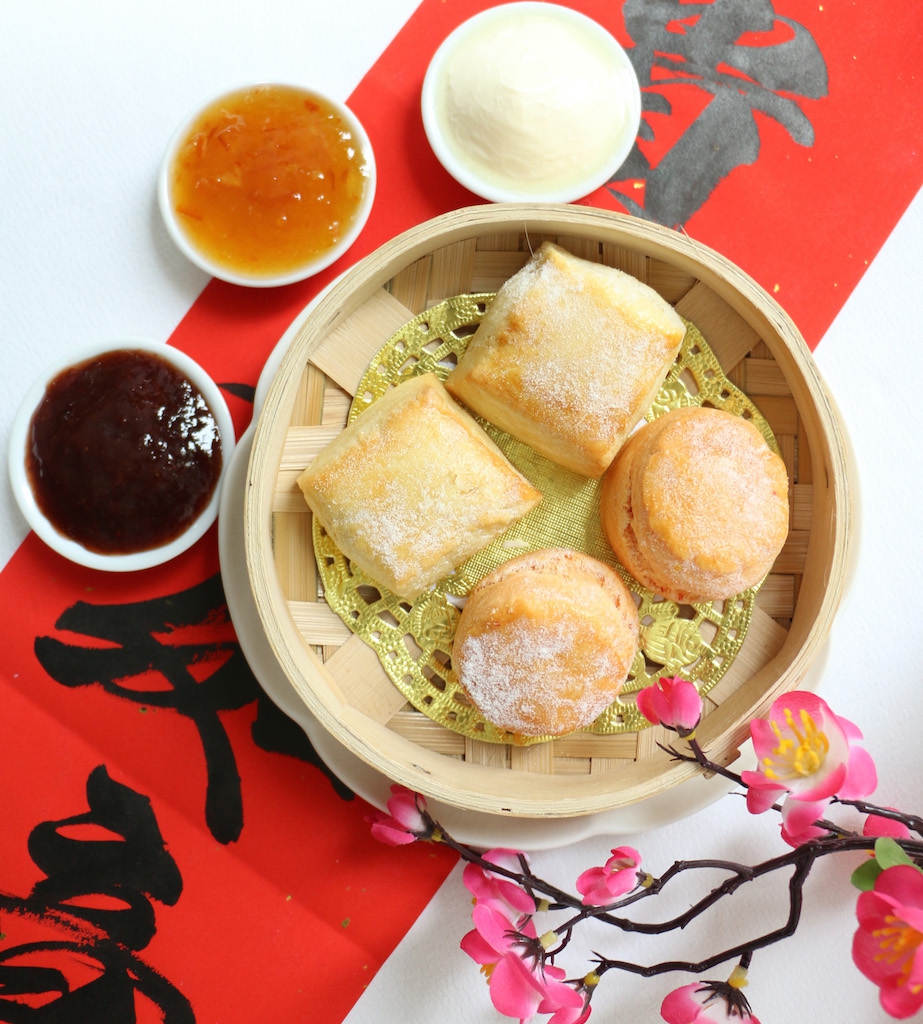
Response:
column 169, row 637
column 699, row 46
column 103, row 868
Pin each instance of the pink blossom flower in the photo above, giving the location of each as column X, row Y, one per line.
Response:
column 567, row 1006
column 673, row 703
column 706, row 1003
column 888, row 945
column 407, row 820
column 495, row 934
column 879, row 825
column 497, row 945
column 501, row 893
column 601, row 886
column 807, row 754
column 518, row 989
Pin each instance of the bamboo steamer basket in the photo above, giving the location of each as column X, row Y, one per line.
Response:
column 339, row 677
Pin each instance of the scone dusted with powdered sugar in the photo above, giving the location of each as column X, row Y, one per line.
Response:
column 568, row 358
column 546, row 641
column 696, row 505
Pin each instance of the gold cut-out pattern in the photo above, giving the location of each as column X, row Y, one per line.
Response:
column 413, row 641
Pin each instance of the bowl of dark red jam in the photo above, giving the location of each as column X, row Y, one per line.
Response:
column 267, row 184
column 118, row 453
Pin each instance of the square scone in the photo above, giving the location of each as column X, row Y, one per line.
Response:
column 568, row 358
column 413, row 487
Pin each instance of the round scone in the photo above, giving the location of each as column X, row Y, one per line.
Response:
column 695, row 505
column 545, row 642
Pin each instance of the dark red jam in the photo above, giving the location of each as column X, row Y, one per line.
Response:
column 124, row 452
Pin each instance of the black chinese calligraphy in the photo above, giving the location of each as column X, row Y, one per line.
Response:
column 698, row 46
column 167, row 636
column 247, row 392
column 92, row 912
column 187, row 641
column 277, row 733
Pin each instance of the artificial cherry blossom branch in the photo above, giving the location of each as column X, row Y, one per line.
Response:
column 808, row 760
column 913, row 822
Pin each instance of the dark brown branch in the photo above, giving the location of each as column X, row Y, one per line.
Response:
column 800, row 859
column 913, row 821
column 744, row 949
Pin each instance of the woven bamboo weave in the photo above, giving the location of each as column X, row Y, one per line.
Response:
column 341, row 679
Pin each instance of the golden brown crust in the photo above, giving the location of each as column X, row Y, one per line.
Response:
column 696, row 505
column 413, row 487
column 546, row 641
column 568, row 357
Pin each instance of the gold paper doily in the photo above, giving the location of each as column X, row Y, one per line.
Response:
column 413, row 641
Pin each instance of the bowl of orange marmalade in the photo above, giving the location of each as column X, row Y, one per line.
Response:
column 267, row 184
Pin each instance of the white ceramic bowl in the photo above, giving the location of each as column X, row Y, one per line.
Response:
column 188, row 246
column 19, row 476
column 522, row 113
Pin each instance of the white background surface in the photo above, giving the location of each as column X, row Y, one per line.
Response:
column 91, row 94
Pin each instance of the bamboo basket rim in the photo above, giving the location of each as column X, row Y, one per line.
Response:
column 477, row 787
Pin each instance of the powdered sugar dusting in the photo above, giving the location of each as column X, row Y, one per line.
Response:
column 412, row 496
column 519, row 678
column 601, row 388
column 578, row 346
column 718, row 473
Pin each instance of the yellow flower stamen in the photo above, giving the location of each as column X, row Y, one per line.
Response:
column 591, row 979
column 898, row 942
column 738, row 978
column 800, row 752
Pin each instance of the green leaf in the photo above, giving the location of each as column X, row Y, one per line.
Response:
column 888, row 853
column 863, row 878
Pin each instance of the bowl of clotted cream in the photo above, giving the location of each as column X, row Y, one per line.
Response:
column 531, row 102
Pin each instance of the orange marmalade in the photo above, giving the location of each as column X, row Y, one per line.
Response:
column 268, row 179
